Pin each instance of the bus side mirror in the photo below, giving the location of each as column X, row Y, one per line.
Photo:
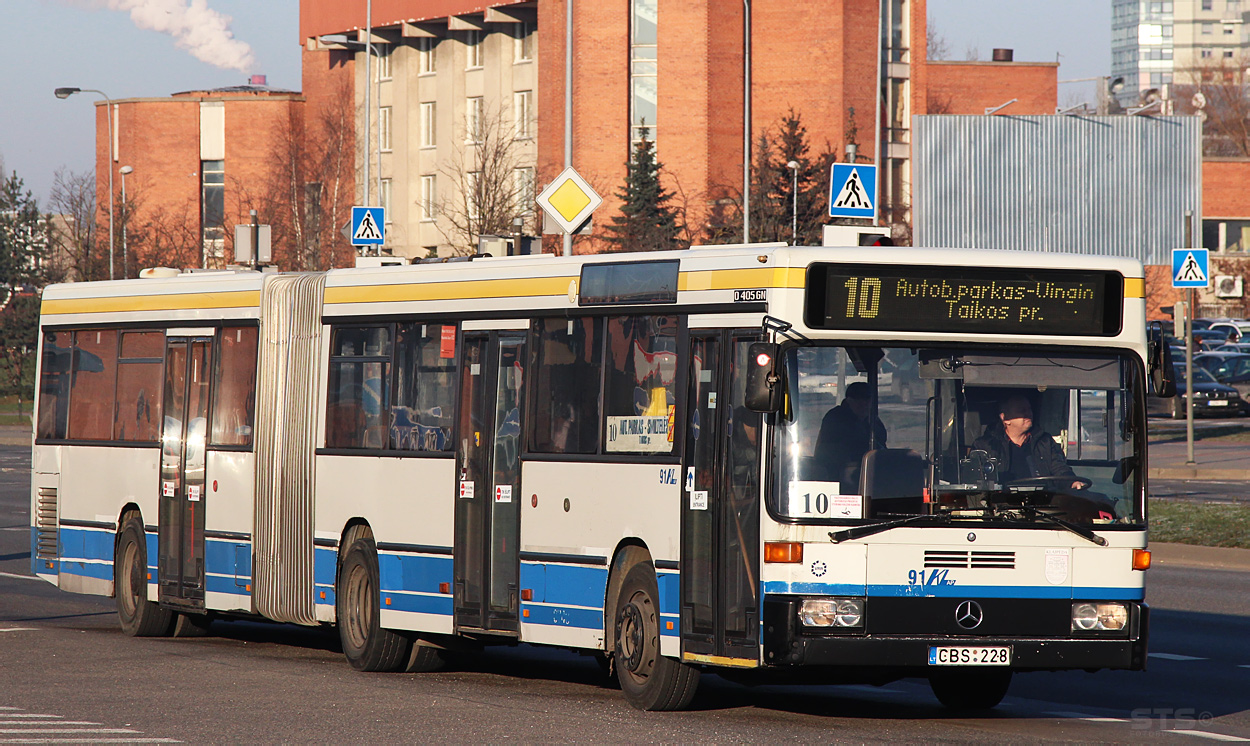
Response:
column 1162, row 371
column 763, row 392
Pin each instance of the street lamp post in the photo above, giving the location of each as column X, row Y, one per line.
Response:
column 794, row 199
column 125, row 219
column 66, row 93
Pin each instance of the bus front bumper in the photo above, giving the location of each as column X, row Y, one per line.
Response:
column 788, row 643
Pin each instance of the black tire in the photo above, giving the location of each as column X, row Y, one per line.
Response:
column 192, row 625
column 367, row 646
column 423, row 659
column 961, row 689
column 139, row 617
column 648, row 680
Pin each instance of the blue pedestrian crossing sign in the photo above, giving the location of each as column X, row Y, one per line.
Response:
column 1190, row 268
column 368, row 226
column 853, row 191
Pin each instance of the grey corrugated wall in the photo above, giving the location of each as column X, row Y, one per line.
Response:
column 1118, row 185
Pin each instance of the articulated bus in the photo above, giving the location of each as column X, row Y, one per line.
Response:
column 642, row 457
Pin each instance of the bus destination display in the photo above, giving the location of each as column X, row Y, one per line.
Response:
column 963, row 299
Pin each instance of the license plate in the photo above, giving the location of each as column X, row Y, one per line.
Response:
column 1217, row 403
column 965, row 656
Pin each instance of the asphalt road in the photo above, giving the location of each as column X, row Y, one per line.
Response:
column 69, row 673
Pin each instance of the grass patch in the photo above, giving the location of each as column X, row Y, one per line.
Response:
column 1203, row 524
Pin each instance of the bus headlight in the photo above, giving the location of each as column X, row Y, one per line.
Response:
column 1099, row 617
column 832, row 612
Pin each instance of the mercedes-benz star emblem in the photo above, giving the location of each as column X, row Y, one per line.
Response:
column 969, row 615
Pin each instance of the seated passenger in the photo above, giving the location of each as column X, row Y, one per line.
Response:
column 1022, row 450
column 846, row 435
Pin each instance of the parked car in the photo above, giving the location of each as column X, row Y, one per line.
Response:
column 1211, row 398
column 1232, row 330
column 1229, row 368
column 1204, row 339
column 1234, row 347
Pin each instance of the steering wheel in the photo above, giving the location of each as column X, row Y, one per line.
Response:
column 1085, row 483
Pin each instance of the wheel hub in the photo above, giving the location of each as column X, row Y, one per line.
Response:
column 631, row 637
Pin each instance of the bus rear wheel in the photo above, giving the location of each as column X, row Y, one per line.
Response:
column 648, row 680
column 366, row 644
column 970, row 690
column 139, row 617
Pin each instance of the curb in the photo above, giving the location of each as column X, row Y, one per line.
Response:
column 1199, row 472
column 1189, row 555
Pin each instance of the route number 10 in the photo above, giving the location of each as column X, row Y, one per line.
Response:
column 863, row 297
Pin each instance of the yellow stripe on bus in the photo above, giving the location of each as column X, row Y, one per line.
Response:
column 465, row 289
column 743, row 279
column 170, row 302
column 1134, row 287
column 720, row 660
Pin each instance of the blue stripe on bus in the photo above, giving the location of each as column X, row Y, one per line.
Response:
column 670, row 603
column 421, row 573
column 417, row 602
column 953, row 591
column 820, row 589
column 564, row 595
column 563, row 616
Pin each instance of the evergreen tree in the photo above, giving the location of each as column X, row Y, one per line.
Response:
column 646, row 221
column 23, row 255
column 774, row 216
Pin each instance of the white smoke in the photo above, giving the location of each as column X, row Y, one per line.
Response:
column 200, row 30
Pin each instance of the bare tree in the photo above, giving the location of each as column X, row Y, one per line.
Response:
column 489, row 191
column 1219, row 92
column 73, row 205
column 936, row 46
column 166, row 237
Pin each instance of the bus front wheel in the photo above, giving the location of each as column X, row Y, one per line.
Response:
column 366, row 644
column 962, row 689
column 139, row 616
column 648, row 680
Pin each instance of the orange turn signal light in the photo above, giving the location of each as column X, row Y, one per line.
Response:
column 783, row 551
column 527, row 594
column 1141, row 559
column 444, row 587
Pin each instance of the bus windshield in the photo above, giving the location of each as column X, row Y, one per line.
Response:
column 870, row 433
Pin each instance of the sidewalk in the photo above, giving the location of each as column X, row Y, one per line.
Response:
column 1214, row 459
column 1187, row 555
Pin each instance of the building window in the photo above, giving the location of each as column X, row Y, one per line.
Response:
column 428, row 195
column 1206, row 54
column 213, row 204
column 425, row 55
column 384, row 128
column 473, row 119
column 1228, row 29
column 384, row 199
column 428, row 124
column 521, row 101
column 1228, row 54
column 472, row 194
column 384, row 60
column 523, row 49
column 473, row 50
column 643, row 63
column 1207, row 4
column 523, row 184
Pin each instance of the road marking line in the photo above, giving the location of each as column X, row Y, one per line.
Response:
column 24, row 714
column 1174, row 657
column 46, row 722
column 15, row 731
column 1207, row 734
column 1085, row 717
column 89, row 740
column 20, row 577
column 23, row 629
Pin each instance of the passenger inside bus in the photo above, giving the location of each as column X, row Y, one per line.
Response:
column 846, row 435
column 1024, row 451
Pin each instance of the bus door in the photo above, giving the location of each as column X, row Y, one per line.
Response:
column 488, row 488
column 720, row 506
column 184, row 434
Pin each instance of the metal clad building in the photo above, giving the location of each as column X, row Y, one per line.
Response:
column 1118, row 185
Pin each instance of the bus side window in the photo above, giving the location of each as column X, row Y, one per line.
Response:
column 425, row 387
column 640, row 390
column 92, row 390
column 234, row 400
column 358, row 408
column 139, row 373
column 567, row 375
column 54, row 382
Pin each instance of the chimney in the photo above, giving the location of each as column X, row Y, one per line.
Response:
column 260, row 79
column 1002, row 55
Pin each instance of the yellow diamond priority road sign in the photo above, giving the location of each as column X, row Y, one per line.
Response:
column 569, row 200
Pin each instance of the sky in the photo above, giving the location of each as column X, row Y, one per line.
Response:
column 140, row 48
column 143, row 48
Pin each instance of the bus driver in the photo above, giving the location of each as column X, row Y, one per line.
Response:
column 1022, row 450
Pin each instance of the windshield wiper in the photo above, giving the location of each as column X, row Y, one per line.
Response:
column 1080, row 531
column 859, row 532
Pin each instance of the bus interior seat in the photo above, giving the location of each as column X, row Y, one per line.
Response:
column 892, row 480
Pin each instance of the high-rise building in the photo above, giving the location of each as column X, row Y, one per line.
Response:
column 1155, row 43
